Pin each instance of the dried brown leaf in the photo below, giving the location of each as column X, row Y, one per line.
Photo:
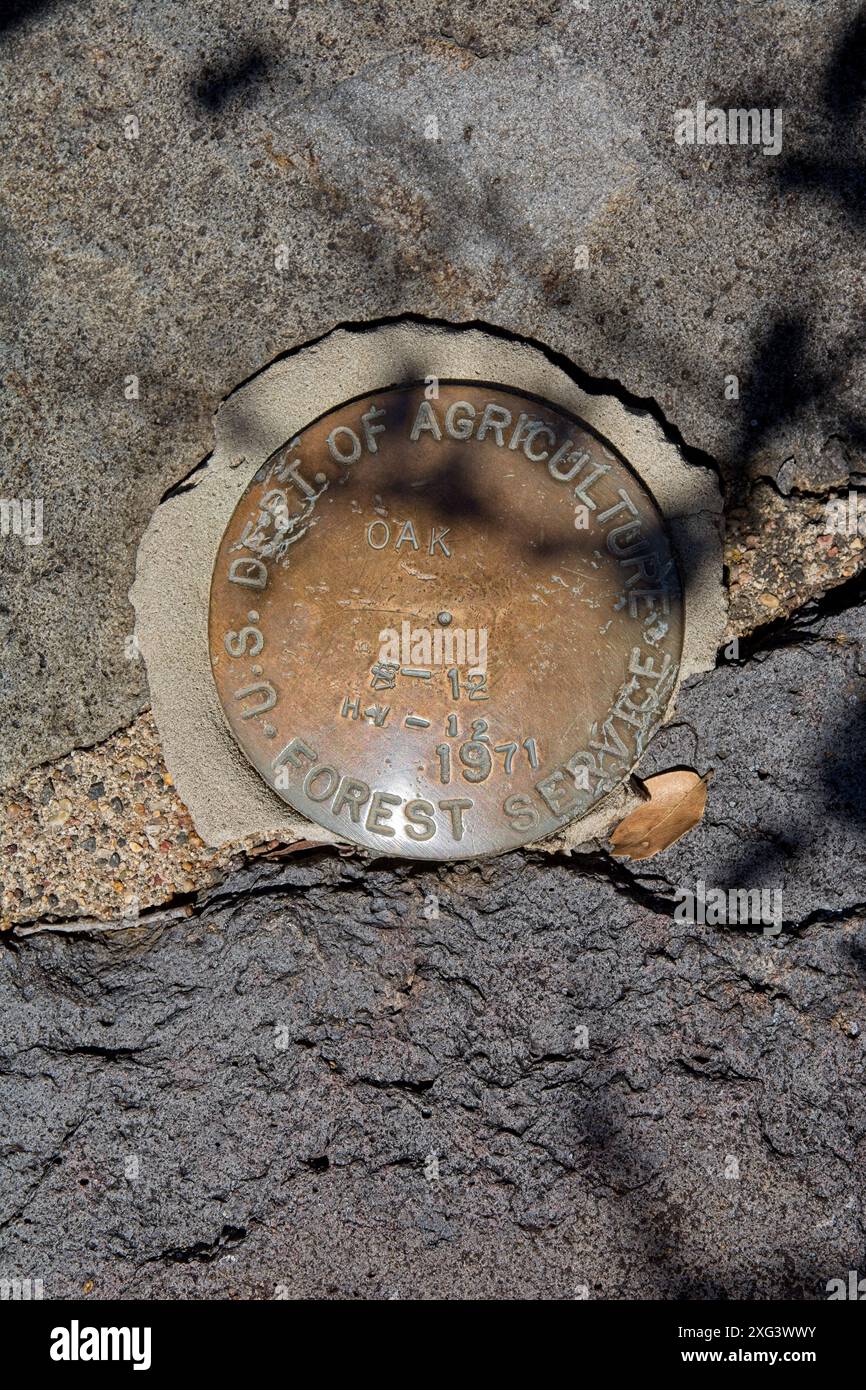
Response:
column 677, row 801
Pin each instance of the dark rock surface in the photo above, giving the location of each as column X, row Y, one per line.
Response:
column 784, row 733
column 310, row 1087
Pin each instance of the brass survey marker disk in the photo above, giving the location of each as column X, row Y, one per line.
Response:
column 444, row 627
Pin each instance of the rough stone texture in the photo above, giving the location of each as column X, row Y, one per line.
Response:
column 305, row 129
column 101, row 832
column 294, row 1066
column 784, row 734
column 780, row 548
column 358, row 1082
column 781, row 729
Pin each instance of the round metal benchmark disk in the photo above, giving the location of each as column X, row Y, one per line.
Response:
column 445, row 620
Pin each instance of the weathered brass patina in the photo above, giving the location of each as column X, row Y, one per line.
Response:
column 445, row 620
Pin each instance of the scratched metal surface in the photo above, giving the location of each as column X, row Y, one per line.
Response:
column 444, row 627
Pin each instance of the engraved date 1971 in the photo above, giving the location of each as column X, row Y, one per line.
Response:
column 478, row 757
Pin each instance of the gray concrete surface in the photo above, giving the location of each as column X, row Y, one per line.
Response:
column 301, row 134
